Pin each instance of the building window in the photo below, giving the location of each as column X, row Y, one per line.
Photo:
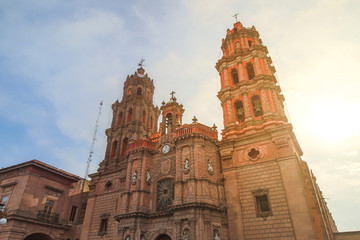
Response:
column 113, row 149
column 256, row 104
column 139, row 90
column 168, row 122
column 104, row 219
column 119, row 119
column 239, row 111
column 235, row 76
column 124, row 146
column 250, row 70
column 129, row 115
column 144, row 117
column 73, row 213
column 250, row 43
column 262, row 203
column 3, row 201
column 49, row 205
column 82, row 214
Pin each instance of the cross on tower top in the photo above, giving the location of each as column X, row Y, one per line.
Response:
column 235, row 16
column 141, row 63
column 172, row 94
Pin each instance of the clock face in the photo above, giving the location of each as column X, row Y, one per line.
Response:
column 165, row 149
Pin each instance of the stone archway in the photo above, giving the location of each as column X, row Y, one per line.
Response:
column 38, row 236
column 163, row 237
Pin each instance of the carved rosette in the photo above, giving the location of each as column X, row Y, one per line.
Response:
column 254, row 153
column 165, row 194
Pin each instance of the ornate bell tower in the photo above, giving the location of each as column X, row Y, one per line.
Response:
column 267, row 185
column 135, row 117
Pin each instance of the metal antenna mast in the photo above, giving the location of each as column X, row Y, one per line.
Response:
column 93, row 142
column 78, row 215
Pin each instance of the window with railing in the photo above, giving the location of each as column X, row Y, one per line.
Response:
column 3, row 201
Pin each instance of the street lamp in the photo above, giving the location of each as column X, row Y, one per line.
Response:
column 2, row 214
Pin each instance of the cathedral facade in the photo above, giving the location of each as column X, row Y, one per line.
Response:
column 178, row 181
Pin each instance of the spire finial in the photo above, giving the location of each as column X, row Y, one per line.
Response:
column 235, row 16
column 172, row 94
column 141, row 63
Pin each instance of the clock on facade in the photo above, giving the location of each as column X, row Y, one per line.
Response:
column 165, row 148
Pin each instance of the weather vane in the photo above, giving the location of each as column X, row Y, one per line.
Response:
column 141, row 63
column 235, row 16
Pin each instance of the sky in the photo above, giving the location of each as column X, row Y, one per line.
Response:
column 59, row 59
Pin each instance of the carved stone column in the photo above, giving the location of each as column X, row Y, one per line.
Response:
column 265, row 101
column 132, row 233
column 230, row 111
column 278, row 106
column 247, row 107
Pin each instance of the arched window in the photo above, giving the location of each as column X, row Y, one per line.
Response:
column 144, row 117
column 138, row 91
column 235, row 76
column 250, row 70
column 119, row 119
column 256, row 104
column 129, row 115
column 239, row 111
column 124, row 146
column 250, row 43
column 168, row 122
column 113, row 149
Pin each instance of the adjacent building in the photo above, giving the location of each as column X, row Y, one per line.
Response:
column 41, row 202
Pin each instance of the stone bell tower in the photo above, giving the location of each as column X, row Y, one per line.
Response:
column 135, row 117
column 267, row 185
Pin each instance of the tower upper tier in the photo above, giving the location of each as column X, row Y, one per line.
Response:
column 250, row 95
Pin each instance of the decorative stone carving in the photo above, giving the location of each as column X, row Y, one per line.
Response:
column 108, row 185
column 281, row 142
column 226, row 155
column 210, row 167
column 134, row 178
column 165, row 194
column 186, row 234
column 216, row 235
column 148, row 177
column 165, row 166
column 186, row 166
column 254, row 153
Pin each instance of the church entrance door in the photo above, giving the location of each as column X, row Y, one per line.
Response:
column 163, row 237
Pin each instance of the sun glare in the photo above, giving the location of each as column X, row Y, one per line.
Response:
column 334, row 121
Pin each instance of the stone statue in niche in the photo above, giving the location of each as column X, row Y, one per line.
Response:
column 210, row 167
column 142, row 237
column 148, row 177
column 256, row 102
column 185, row 235
column 134, row 178
column 186, row 165
column 127, row 237
column 216, row 237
